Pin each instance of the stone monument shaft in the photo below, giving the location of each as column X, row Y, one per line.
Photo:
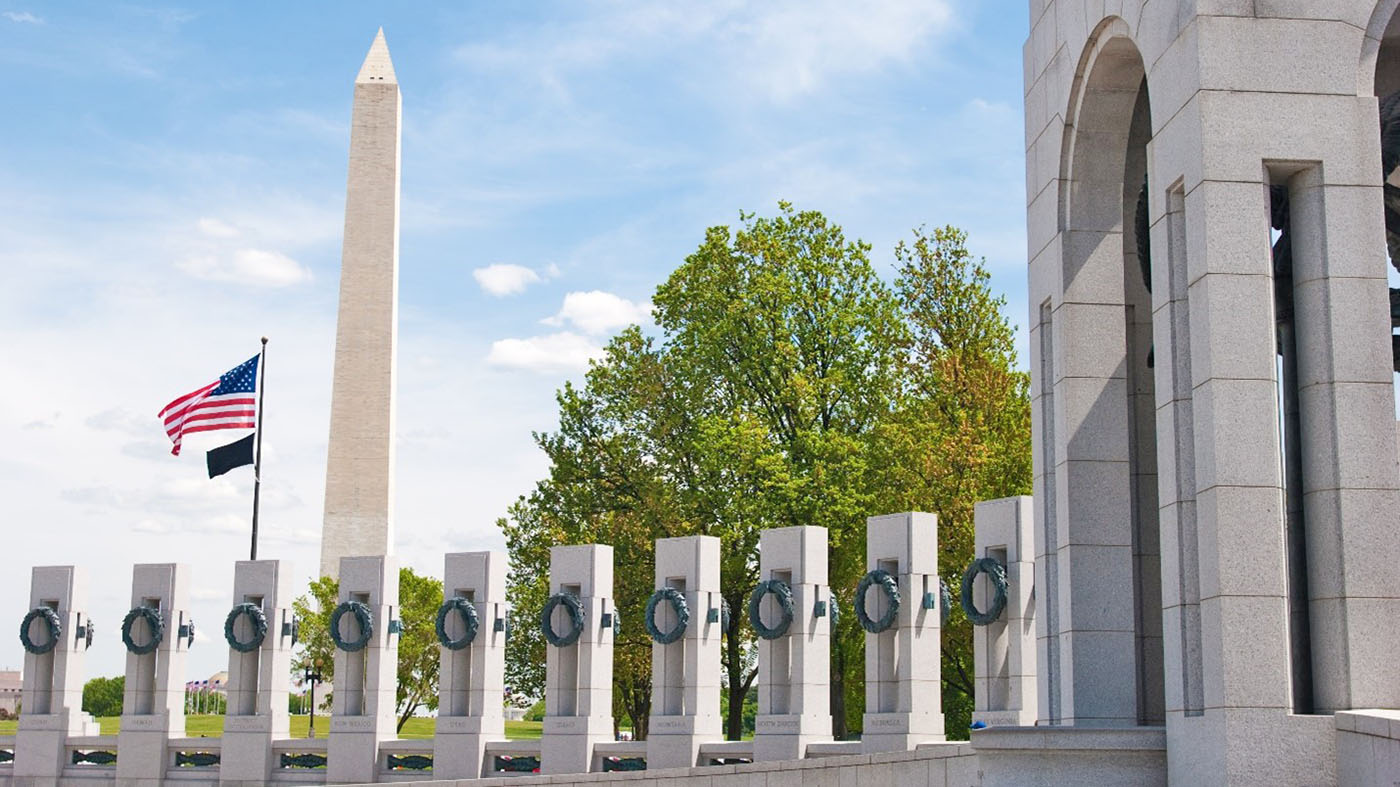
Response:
column 359, row 513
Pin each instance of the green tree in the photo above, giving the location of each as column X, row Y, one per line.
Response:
column 316, row 651
column 791, row 333
column 779, row 342
column 960, row 432
column 790, row 386
column 418, row 650
column 600, row 490
column 749, row 713
column 103, row 696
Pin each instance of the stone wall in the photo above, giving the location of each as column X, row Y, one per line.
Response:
column 930, row 765
column 1368, row 747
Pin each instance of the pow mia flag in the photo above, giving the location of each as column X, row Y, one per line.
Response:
column 227, row 457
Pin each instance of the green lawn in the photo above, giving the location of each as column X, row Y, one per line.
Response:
column 213, row 727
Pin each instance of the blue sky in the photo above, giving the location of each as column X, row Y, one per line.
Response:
column 172, row 185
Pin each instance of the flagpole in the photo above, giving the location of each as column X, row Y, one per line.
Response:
column 257, row 451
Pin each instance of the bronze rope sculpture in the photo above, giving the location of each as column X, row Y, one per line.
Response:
column 1279, row 220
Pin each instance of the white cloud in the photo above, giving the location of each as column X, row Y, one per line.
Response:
column 781, row 48
column 502, row 279
column 220, row 525
column 981, row 110
column 22, row 17
column 269, row 267
column 152, row 526
column 120, row 420
column 587, row 317
column 256, row 267
column 215, row 228
column 304, row 536
column 596, row 312
column 794, row 47
column 207, row 594
column 223, row 524
column 201, row 490
column 557, row 352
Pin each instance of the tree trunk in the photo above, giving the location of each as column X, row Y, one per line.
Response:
column 734, row 669
column 636, row 702
column 407, row 714
column 838, row 694
column 639, row 711
column 734, row 721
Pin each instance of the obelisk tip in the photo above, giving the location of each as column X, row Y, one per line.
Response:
column 378, row 68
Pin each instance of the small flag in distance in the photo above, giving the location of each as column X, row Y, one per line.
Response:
column 226, row 457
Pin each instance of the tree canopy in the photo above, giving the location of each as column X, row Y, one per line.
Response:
column 103, row 696
column 790, row 385
column 419, row 598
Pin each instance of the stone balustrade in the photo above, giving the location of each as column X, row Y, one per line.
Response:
column 56, row 743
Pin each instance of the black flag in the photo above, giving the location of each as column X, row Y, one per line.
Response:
column 226, row 457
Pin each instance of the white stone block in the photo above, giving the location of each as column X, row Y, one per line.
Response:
column 794, row 702
column 1092, row 417
column 1092, row 516
column 1041, row 757
column 1232, row 326
column 52, row 695
column 363, row 704
column 259, row 680
column 472, row 679
column 1237, row 433
column 578, row 693
column 1096, row 340
column 153, row 705
column 1236, row 55
column 903, row 698
column 685, row 673
column 1242, row 129
column 1004, row 653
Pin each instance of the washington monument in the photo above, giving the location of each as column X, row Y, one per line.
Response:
column 359, row 514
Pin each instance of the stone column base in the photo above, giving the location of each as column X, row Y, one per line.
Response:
column 566, row 745
column 245, row 756
column 1004, row 718
column 143, row 753
column 40, row 752
column 674, row 741
column 459, row 745
column 785, row 736
column 1047, row 756
column 900, row 731
column 41, row 742
column 352, row 750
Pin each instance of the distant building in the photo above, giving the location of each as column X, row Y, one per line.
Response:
column 218, row 682
column 199, row 693
column 9, row 691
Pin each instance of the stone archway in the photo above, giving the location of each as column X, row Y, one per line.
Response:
column 1378, row 52
column 1381, row 78
column 1106, row 659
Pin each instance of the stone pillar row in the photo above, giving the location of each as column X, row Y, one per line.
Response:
column 793, row 609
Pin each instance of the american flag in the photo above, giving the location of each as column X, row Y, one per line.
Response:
column 227, row 403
